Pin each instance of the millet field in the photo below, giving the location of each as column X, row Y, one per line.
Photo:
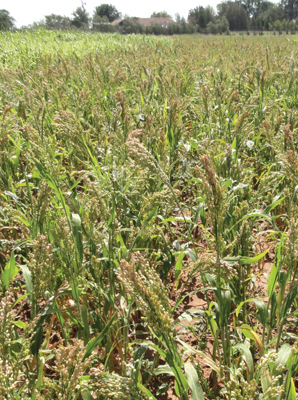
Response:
column 148, row 217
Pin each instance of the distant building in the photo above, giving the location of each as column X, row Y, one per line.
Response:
column 163, row 21
column 117, row 22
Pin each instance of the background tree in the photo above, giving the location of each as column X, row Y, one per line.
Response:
column 250, row 7
column 6, row 21
column 277, row 26
column 108, row 11
column 58, row 22
column 102, row 24
column 290, row 8
column 235, row 14
column 201, row 16
column 220, row 26
column 160, row 14
column 131, row 25
column 292, row 26
column 80, row 18
column 265, row 14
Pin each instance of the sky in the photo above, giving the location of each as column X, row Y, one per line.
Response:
column 26, row 12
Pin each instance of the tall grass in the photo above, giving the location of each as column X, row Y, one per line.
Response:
column 137, row 172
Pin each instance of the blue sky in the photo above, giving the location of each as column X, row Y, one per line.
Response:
column 29, row 11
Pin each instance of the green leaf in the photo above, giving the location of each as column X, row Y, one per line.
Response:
column 75, row 290
column 248, row 357
column 265, row 380
column 191, row 254
column 162, row 389
column 87, row 395
column 61, row 321
column 212, row 282
column 19, row 324
column 163, row 369
column 202, row 213
column 287, row 384
column 207, row 360
column 46, row 175
column 52, row 184
column 28, row 278
column 138, row 357
column 20, row 299
column 84, row 314
column 226, row 305
column 112, row 217
column 39, row 375
column 290, row 297
column 212, row 324
column 24, row 221
column 275, row 269
column 178, row 266
column 246, row 260
column 251, row 334
column 251, row 260
column 262, row 310
column 241, row 305
column 9, row 272
column 140, row 353
column 177, row 372
column 150, row 216
column 292, row 393
column 148, row 393
column 282, row 356
column 152, row 345
column 282, row 281
column 255, row 214
column 193, row 381
column 91, row 346
column 273, row 205
column 37, row 338
column 172, row 364
column 246, row 330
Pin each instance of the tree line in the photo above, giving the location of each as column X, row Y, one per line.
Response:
column 241, row 15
